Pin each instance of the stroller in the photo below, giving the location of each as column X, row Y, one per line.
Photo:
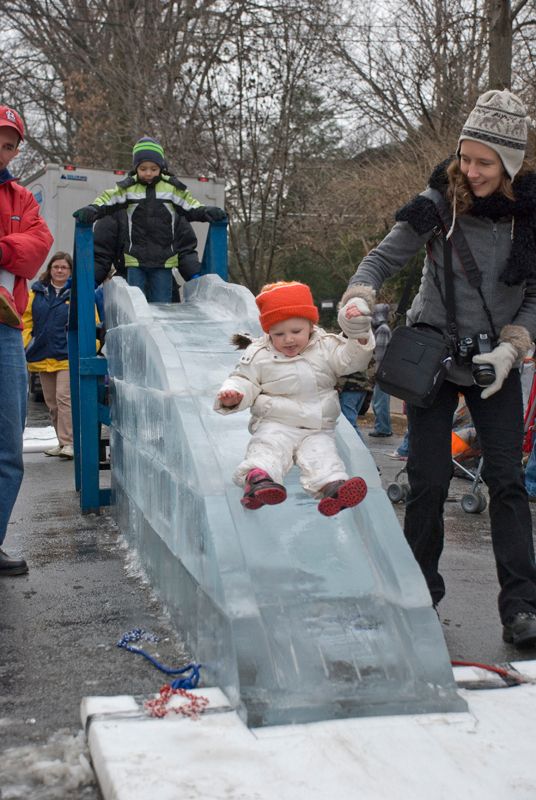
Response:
column 467, row 462
column 530, row 419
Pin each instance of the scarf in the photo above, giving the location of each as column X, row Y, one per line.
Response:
column 421, row 213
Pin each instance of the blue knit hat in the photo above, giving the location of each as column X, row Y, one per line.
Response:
column 147, row 149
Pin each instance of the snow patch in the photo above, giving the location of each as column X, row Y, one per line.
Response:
column 55, row 770
column 133, row 565
column 37, row 440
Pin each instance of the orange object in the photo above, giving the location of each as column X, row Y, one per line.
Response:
column 458, row 445
column 284, row 300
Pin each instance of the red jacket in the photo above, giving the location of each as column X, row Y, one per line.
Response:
column 24, row 237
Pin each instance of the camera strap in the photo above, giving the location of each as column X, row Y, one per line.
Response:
column 403, row 303
column 467, row 259
column 452, row 328
column 448, row 299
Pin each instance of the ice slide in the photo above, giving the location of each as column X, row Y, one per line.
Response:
column 297, row 617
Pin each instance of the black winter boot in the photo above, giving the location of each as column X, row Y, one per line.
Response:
column 520, row 629
column 12, row 566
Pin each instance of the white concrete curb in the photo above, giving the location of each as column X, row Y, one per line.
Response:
column 486, row 753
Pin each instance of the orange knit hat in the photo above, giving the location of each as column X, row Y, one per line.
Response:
column 283, row 300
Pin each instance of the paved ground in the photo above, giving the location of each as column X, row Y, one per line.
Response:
column 60, row 624
column 469, row 611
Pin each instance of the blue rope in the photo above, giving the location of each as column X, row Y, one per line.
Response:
column 190, row 681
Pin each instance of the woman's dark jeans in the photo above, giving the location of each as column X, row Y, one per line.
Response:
column 499, row 425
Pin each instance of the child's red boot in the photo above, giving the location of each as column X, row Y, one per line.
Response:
column 8, row 311
column 342, row 494
column 261, row 490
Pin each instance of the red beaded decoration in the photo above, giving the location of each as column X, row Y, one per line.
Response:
column 193, row 708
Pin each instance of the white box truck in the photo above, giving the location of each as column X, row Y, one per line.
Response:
column 61, row 189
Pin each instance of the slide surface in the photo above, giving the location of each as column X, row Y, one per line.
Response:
column 296, row 616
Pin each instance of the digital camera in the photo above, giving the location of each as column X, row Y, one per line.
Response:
column 469, row 346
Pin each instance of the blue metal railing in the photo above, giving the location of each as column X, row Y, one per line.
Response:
column 87, row 369
column 215, row 253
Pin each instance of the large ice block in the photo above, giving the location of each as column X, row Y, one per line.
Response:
column 297, row 617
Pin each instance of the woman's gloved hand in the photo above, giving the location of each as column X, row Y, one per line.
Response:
column 354, row 319
column 502, row 358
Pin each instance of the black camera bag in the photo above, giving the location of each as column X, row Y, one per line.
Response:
column 418, row 357
column 415, row 364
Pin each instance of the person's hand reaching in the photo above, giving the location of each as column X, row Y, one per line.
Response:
column 353, row 311
column 354, row 319
column 230, row 398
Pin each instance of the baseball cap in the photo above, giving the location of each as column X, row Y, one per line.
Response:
column 10, row 119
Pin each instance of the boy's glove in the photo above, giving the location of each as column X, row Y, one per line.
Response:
column 355, row 327
column 189, row 265
column 502, row 358
column 87, row 214
column 214, row 214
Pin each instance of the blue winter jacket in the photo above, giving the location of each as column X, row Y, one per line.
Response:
column 50, row 312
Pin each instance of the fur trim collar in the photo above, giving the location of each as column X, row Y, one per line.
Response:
column 422, row 215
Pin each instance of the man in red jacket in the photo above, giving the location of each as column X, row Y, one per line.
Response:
column 24, row 244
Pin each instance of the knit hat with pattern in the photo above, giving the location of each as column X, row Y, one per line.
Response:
column 499, row 120
column 284, row 300
column 147, row 149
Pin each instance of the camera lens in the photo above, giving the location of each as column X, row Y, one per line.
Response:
column 483, row 374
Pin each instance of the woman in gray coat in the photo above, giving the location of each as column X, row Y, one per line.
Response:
column 491, row 196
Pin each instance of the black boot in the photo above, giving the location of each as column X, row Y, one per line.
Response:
column 520, row 629
column 12, row 566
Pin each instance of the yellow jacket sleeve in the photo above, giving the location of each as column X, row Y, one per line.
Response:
column 27, row 321
column 97, row 322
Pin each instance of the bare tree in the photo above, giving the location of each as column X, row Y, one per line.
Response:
column 99, row 74
column 281, row 99
column 415, row 67
column 262, row 110
column 500, row 43
column 508, row 27
column 411, row 76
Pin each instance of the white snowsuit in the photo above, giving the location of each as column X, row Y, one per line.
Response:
column 294, row 406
